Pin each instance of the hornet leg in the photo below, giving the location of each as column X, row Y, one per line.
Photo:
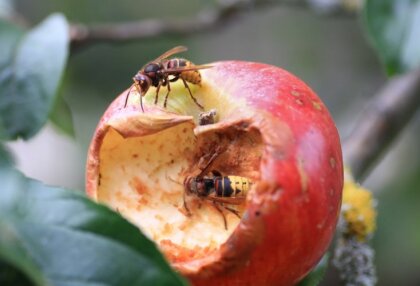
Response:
column 167, row 94
column 189, row 90
column 185, row 205
column 235, row 212
column 157, row 93
column 222, row 213
column 141, row 95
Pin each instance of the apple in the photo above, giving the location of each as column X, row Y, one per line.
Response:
column 270, row 128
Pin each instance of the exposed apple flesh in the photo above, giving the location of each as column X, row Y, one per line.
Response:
column 272, row 129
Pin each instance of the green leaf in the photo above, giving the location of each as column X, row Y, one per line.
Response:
column 9, row 36
column 58, row 237
column 61, row 116
column 11, row 249
column 30, row 80
column 9, row 276
column 316, row 275
column 394, row 29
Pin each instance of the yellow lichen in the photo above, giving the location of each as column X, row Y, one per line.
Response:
column 358, row 210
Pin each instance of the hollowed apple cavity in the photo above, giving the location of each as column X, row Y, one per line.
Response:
column 142, row 174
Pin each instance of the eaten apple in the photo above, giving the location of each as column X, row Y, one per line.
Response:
column 266, row 126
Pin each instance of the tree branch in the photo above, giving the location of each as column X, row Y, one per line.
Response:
column 382, row 121
column 82, row 35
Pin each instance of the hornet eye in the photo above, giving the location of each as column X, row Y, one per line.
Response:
column 144, row 85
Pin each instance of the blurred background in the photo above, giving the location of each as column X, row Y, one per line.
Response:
column 329, row 51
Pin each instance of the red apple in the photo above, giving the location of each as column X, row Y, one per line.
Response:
column 273, row 130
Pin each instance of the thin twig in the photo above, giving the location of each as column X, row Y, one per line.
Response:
column 82, row 35
column 382, row 121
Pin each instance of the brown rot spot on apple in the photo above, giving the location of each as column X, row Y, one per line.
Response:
column 246, row 195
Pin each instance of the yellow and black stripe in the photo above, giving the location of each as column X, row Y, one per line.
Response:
column 192, row 76
column 231, row 186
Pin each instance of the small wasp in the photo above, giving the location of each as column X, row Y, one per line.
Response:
column 219, row 189
column 157, row 72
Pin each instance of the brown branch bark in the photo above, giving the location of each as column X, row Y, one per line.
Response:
column 82, row 35
column 381, row 123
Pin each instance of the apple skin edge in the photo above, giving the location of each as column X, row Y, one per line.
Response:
column 291, row 217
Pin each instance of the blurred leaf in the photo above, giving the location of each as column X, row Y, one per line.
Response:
column 9, row 276
column 29, row 82
column 316, row 275
column 11, row 248
column 9, row 36
column 58, row 237
column 61, row 116
column 394, row 28
column 6, row 159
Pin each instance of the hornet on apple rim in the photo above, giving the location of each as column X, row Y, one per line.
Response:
column 157, row 72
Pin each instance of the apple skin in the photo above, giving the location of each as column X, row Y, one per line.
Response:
column 291, row 216
column 299, row 195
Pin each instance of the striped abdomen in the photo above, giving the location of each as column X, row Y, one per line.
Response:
column 231, row 186
column 192, row 76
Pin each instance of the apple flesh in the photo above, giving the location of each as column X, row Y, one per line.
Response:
column 272, row 129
